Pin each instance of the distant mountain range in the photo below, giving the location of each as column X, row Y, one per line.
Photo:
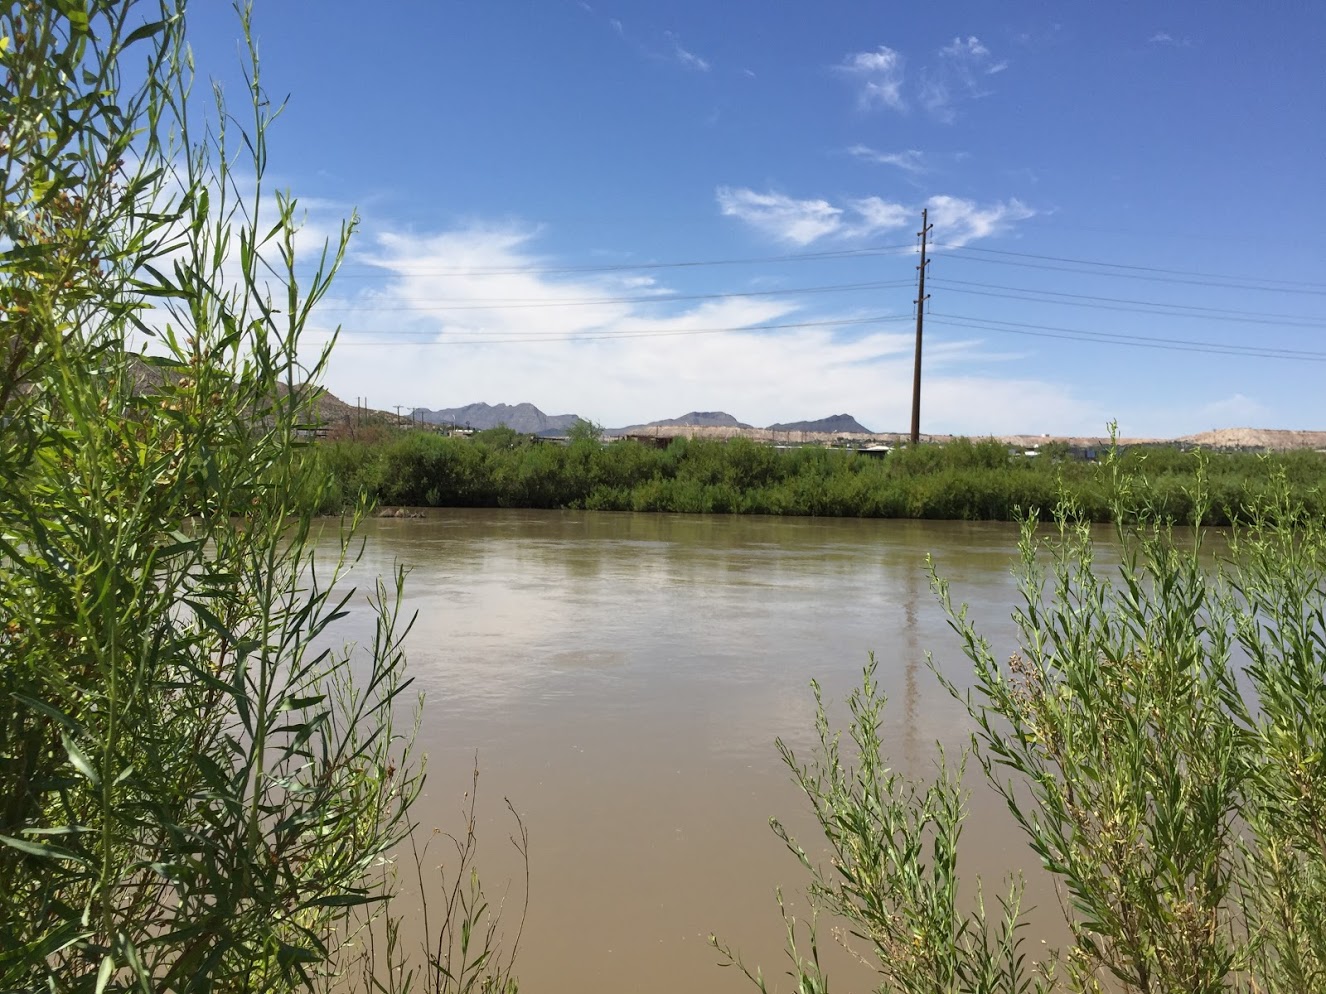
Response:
column 837, row 423
column 524, row 418
column 528, row 419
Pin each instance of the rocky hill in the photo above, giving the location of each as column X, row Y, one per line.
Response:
column 695, row 419
column 834, row 424
column 1258, row 439
column 525, row 418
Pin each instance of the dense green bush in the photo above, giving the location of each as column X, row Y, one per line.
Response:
column 963, row 480
column 1156, row 729
column 198, row 790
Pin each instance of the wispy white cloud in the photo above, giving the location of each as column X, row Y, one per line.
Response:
column 667, row 48
column 958, row 75
column 910, row 160
column 690, row 60
column 801, row 222
column 876, row 215
column 879, row 76
column 685, row 57
column 399, row 346
column 958, row 221
column 1165, row 38
column 785, row 218
column 973, row 54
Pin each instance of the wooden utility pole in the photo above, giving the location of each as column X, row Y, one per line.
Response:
column 921, row 298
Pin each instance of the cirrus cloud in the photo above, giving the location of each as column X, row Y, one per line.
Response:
column 959, row 75
column 909, row 160
column 786, row 219
column 958, row 221
column 879, row 74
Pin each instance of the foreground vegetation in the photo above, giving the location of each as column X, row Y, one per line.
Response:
column 200, row 784
column 964, row 480
column 201, row 788
column 1158, row 731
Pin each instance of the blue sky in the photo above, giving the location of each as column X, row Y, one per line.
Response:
column 522, row 168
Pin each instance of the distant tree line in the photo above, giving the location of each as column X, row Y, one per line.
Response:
column 962, row 480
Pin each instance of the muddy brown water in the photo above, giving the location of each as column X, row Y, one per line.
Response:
column 622, row 679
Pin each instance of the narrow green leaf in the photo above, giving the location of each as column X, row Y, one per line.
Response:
column 79, row 759
column 210, row 620
column 136, row 35
column 104, row 973
column 48, row 710
column 301, row 703
column 44, row 851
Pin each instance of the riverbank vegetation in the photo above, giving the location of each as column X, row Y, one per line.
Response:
column 1156, row 730
column 201, row 785
column 963, row 480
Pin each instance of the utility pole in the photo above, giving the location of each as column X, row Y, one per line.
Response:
column 921, row 298
column 398, row 414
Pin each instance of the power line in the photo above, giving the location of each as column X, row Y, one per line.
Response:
column 1146, row 306
column 495, row 303
column 1120, row 338
column 921, row 298
column 1148, row 269
column 1223, row 282
column 641, row 333
column 386, row 272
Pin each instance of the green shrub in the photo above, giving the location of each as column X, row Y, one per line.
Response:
column 963, row 480
column 1157, row 732
column 198, row 791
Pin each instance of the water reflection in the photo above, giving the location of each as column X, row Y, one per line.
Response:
column 623, row 678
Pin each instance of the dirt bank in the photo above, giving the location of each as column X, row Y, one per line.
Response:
column 1256, row 439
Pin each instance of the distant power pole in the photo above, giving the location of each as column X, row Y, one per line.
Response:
column 921, row 298
column 398, row 413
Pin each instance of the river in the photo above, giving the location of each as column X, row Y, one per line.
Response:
column 622, row 679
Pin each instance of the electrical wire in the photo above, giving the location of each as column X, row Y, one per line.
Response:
column 495, row 303
column 609, row 335
column 1119, row 338
column 1147, row 269
column 1121, row 304
column 1222, row 283
column 386, row 272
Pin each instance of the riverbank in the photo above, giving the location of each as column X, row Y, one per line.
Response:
column 1253, row 440
column 963, row 480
